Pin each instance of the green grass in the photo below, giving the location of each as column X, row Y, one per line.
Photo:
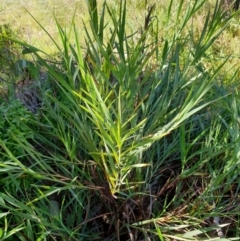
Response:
column 137, row 135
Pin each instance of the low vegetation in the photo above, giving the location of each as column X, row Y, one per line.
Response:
column 123, row 133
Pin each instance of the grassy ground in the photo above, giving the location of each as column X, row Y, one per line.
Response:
column 15, row 14
column 127, row 129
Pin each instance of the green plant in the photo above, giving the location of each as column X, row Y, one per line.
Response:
column 121, row 145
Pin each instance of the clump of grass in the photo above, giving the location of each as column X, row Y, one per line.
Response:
column 9, row 54
column 123, row 149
